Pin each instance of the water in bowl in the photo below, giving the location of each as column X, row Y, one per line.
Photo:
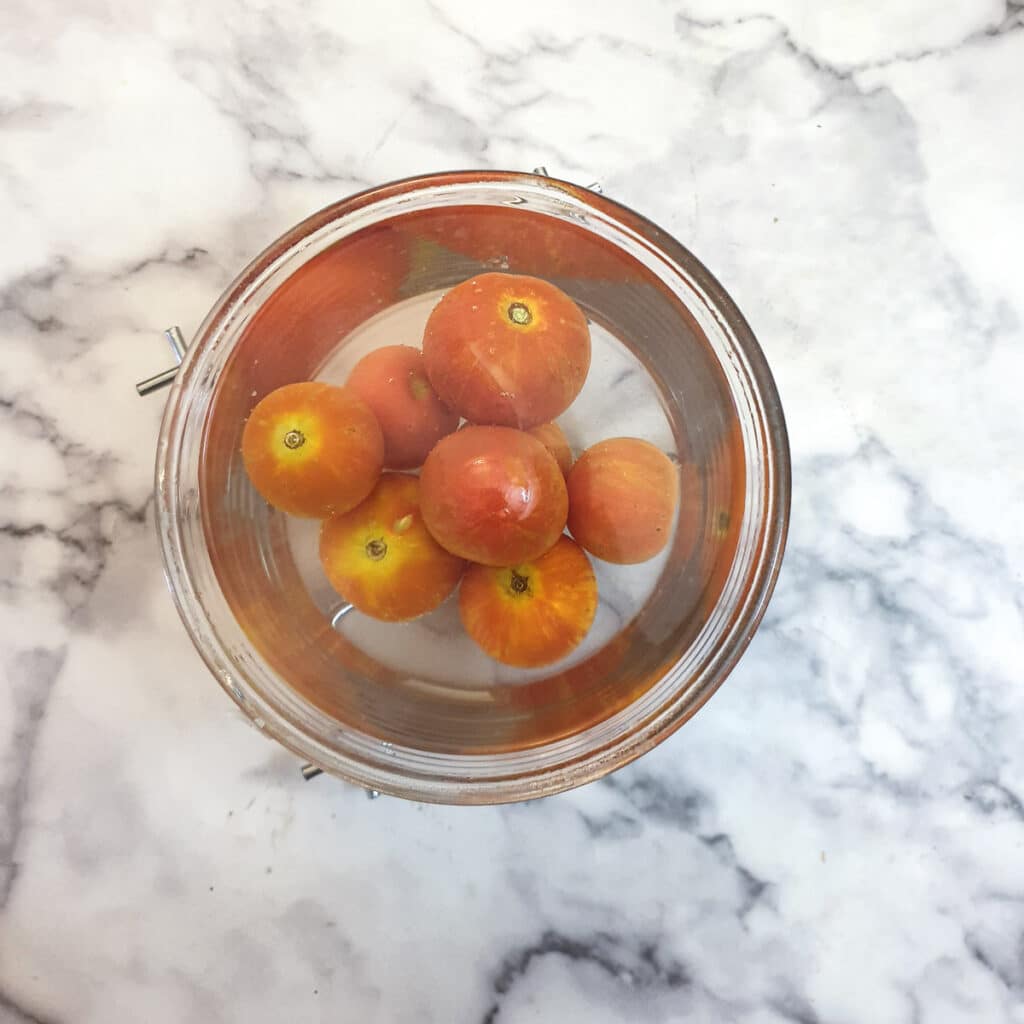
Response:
column 425, row 683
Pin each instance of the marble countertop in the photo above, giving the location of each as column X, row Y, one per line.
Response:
column 839, row 835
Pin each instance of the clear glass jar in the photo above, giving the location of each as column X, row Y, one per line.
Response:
column 387, row 711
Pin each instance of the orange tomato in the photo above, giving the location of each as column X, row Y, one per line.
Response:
column 381, row 557
column 493, row 495
column 312, row 449
column 533, row 613
column 623, row 494
column 551, row 436
column 393, row 383
column 507, row 350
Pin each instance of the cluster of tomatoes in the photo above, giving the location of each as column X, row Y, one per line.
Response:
column 488, row 510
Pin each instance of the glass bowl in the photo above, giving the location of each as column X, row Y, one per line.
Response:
column 412, row 710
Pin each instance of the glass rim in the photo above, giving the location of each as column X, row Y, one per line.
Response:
column 505, row 781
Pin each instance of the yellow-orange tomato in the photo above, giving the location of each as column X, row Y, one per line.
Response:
column 533, row 613
column 551, row 436
column 393, row 383
column 312, row 449
column 507, row 350
column 623, row 495
column 493, row 495
column 382, row 558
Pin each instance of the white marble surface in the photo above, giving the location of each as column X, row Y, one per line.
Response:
column 839, row 836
